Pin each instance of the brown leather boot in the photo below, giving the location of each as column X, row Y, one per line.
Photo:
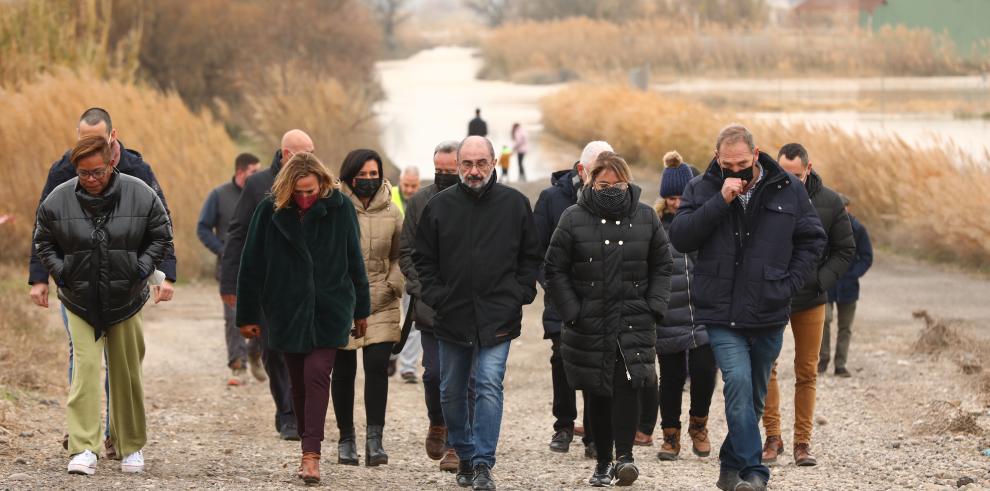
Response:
column 773, row 448
column 698, row 431
column 436, row 441
column 309, row 471
column 671, row 444
column 642, row 439
column 802, row 455
column 449, row 461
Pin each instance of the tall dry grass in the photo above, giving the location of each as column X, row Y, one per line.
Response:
column 928, row 202
column 190, row 153
column 588, row 49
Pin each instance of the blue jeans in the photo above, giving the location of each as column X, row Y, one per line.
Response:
column 106, row 383
column 475, row 438
column 745, row 359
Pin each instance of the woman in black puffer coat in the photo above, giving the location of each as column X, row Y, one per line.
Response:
column 608, row 272
column 682, row 344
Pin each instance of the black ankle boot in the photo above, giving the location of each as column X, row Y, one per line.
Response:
column 374, row 453
column 346, row 449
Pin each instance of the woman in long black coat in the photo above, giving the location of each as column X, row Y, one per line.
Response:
column 608, row 271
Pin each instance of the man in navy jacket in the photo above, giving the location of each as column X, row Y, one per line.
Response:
column 758, row 238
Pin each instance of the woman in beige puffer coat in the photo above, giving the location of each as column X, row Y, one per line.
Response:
column 380, row 222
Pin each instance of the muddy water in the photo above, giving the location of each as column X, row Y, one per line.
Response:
column 431, row 96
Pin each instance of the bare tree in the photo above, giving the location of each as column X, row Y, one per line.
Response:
column 390, row 14
column 495, row 12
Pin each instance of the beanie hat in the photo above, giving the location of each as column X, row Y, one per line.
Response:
column 675, row 177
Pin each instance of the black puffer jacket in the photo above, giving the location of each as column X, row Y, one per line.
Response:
column 609, row 277
column 839, row 251
column 422, row 314
column 678, row 331
column 101, row 249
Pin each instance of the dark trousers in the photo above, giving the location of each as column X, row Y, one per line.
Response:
column 649, row 405
column 847, row 313
column 310, row 376
column 674, row 369
column 431, row 380
column 375, row 386
column 522, row 170
column 564, row 397
column 614, row 418
column 278, row 384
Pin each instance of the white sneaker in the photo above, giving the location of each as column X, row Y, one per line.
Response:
column 133, row 463
column 83, row 463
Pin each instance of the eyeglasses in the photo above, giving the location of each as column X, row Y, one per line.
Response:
column 481, row 165
column 94, row 174
column 601, row 185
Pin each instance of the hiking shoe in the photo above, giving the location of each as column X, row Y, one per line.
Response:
column 465, row 474
column 133, row 463
column 773, row 448
column 257, row 367
column 83, row 463
column 561, row 441
column 729, row 480
column 483, row 478
column 590, row 452
column 842, row 373
column 626, row 471
column 698, row 431
column 803, row 456
column 755, row 482
column 449, row 462
column 671, row 447
column 642, row 439
column 602, row 476
column 436, row 442
column 289, row 432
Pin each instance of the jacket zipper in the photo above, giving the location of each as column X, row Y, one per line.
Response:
column 687, row 274
column 623, row 355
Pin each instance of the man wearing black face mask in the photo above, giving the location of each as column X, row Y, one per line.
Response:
column 445, row 164
column 758, row 240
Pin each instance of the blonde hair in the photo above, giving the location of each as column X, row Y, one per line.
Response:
column 660, row 206
column 299, row 166
column 610, row 161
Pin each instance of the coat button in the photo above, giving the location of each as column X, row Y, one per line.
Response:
column 606, row 242
column 591, row 259
column 779, row 208
column 620, row 242
column 778, row 186
column 733, row 324
column 618, row 222
column 603, row 220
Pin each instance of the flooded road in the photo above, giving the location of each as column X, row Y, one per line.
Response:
column 431, row 96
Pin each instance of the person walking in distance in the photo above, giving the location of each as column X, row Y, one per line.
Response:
column 520, row 147
column 563, row 193
column 758, row 239
column 102, row 236
column 256, row 188
column 477, row 257
column 445, row 176
column 380, row 225
column 301, row 271
column 808, row 311
column 608, row 271
column 211, row 229
column 842, row 297
column 682, row 343
column 477, row 126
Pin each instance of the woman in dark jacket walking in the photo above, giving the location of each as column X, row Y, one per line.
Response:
column 608, row 272
column 302, row 270
column 682, row 344
column 101, row 236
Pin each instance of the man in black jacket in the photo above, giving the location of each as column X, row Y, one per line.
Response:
column 445, row 168
column 255, row 189
column 808, row 311
column 477, row 126
column 562, row 194
column 758, row 240
column 477, row 256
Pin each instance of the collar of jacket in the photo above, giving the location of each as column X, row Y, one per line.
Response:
column 770, row 166
column 276, row 162
column 814, row 184
column 587, row 201
column 291, row 226
column 564, row 179
column 382, row 200
column 105, row 201
column 484, row 190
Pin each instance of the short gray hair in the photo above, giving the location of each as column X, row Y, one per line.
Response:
column 733, row 133
column 491, row 148
column 592, row 150
column 412, row 170
column 446, row 146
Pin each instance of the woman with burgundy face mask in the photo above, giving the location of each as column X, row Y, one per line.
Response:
column 302, row 270
column 380, row 223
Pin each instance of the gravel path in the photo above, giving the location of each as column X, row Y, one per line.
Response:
column 204, row 435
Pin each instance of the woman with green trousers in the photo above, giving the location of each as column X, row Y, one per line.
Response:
column 303, row 272
column 380, row 222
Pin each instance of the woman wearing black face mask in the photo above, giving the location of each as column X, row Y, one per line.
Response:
column 608, row 271
column 380, row 223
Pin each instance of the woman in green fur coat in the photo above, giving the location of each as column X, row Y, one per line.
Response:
column 302, row 270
